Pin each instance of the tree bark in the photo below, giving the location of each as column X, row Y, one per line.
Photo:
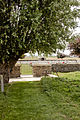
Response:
column 6, row 69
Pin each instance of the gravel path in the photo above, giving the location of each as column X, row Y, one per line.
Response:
column 27, row 78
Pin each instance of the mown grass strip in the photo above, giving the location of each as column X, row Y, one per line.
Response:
column 26, row 69
column 50, row 99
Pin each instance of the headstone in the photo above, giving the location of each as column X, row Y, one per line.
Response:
column 2, row 83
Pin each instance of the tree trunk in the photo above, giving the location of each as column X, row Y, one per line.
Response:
column 5, row 70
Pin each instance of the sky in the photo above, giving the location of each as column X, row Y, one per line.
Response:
column 77, row 30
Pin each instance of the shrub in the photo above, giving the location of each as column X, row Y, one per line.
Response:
column 58, row 87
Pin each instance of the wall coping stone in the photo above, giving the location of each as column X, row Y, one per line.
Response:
column 41, row 65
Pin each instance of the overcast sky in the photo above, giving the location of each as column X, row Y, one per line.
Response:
column 77, row 30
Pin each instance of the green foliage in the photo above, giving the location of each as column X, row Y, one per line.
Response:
column 35, row 25
column 22, row 56
column 69, row 88
column 60, row 55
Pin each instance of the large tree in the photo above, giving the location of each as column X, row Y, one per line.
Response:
column 33, row 25
column 75, row 47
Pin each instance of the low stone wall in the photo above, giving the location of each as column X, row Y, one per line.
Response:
column 15, row 72
column 41, row 70
column 65, row 67
column 5, row 71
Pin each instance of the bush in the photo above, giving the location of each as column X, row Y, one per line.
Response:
column 61, row 87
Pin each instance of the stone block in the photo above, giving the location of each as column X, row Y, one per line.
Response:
column 15, row 72
column 41, row 70
column 65, row 67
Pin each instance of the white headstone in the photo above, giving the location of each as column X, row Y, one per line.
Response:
column 2, row 83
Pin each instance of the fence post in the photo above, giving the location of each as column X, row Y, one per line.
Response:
column 2, row 83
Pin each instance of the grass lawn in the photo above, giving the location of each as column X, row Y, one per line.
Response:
column 26, row 69
column 49, row 99
column 70, row 75
column 25, row 101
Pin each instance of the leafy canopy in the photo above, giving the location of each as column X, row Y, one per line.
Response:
column 34, row 25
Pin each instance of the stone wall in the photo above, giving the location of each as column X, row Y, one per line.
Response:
column 15, row 72
column 41, row 70
column 5, row 71
column 65, row 67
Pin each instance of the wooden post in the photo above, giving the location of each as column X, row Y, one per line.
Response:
column 2, row 83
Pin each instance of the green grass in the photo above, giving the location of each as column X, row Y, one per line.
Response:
column 25, row 101
column 65, row 97
column 30, row 58
column 70, row 75
column 49, row 99
column 26, row 69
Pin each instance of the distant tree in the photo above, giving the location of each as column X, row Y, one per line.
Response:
column 33, row 25
column 60, row 55
column 75, row 47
